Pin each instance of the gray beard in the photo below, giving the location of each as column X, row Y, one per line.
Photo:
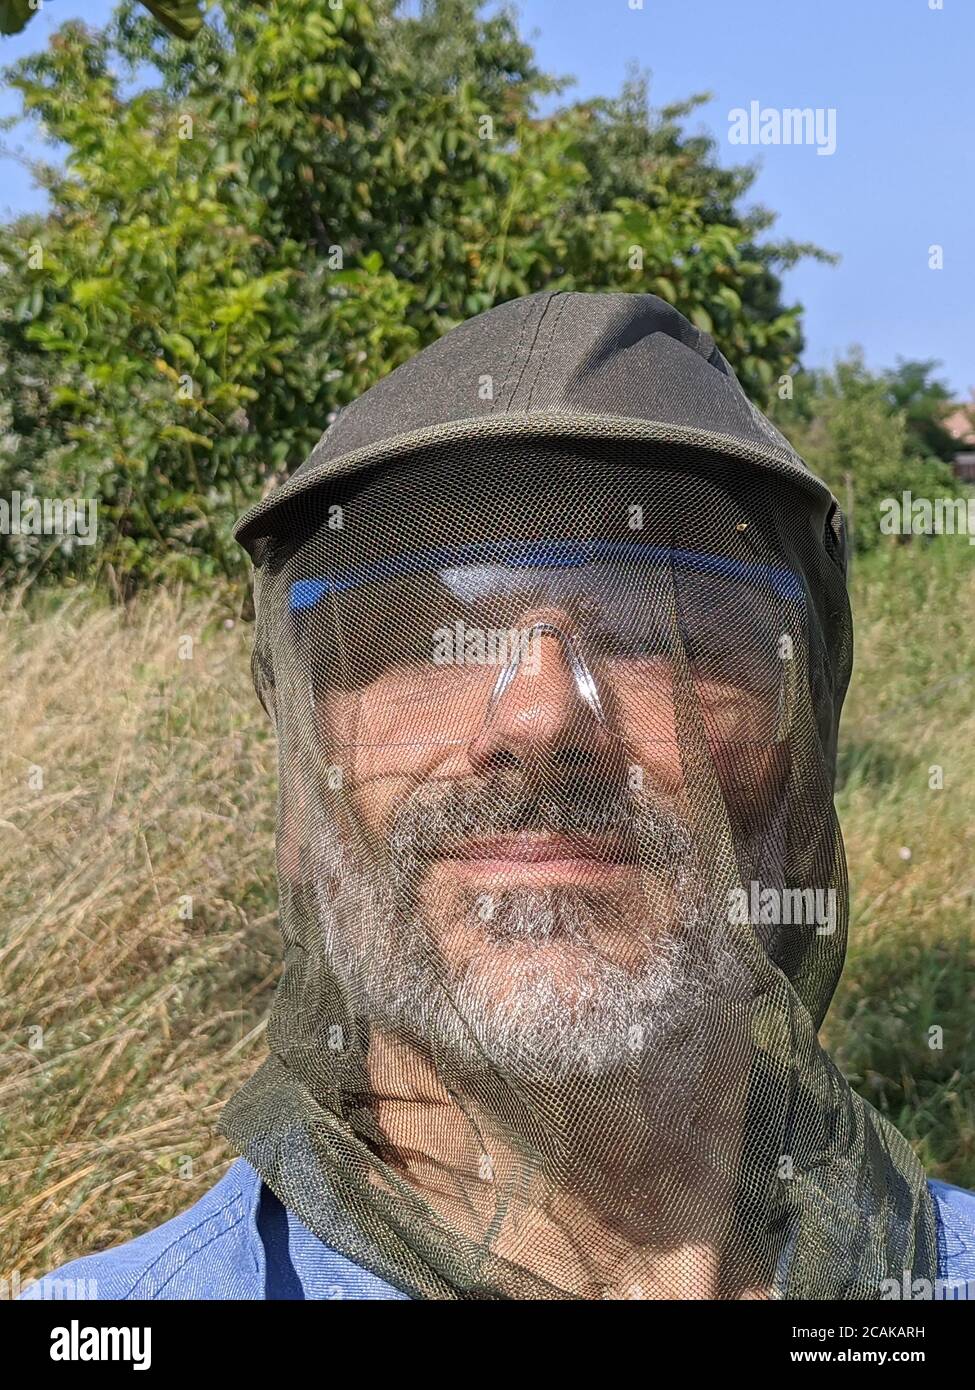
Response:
column 614, row 1020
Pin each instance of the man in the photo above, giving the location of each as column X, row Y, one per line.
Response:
column 553, row 628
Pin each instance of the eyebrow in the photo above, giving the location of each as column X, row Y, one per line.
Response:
column 545, row 554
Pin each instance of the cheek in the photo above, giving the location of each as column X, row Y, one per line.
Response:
column 751, row 778
column 369, row 804
column 749, row 771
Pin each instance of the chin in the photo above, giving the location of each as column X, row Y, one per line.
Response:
column 505, row 972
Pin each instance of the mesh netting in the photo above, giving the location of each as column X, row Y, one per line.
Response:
column 563, row 892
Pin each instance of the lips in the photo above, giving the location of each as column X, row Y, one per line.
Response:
column 544, row 847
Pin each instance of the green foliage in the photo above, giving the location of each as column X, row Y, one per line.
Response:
column 181, row 17
column 848, row 425
column 290, row 208
column 913, row 388
column 14, row 15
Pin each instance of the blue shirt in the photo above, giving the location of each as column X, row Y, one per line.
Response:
column 239, row 1242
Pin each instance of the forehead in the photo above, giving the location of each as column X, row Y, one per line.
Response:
column 562, row 567
column 623, row 599
column 536, row 494
column 627, row 540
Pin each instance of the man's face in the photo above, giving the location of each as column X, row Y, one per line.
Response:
column 531, row 889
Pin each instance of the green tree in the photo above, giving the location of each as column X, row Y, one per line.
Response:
column 846, row 426
column 914, row 389
column 180, row 17
column 286, row 209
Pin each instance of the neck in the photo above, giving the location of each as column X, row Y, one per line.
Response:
column 581, row 1204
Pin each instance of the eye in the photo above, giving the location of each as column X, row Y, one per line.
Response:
column 645, row 672
column 419, row 679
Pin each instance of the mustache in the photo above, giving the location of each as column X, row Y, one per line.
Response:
column 435, row 815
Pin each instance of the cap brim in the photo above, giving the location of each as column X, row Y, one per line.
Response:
column 262, row 519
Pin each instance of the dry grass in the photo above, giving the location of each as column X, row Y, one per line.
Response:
column 133, row 779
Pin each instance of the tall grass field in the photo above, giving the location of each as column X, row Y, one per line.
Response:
column 138, row 942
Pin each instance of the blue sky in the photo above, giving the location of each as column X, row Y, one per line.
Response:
column 896, row 72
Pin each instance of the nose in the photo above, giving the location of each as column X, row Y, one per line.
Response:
column 545, row 710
